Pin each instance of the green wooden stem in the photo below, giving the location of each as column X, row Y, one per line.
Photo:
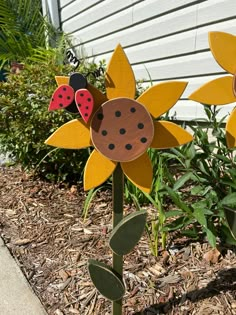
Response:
column 118, row 200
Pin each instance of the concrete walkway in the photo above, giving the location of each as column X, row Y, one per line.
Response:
column 16, row 296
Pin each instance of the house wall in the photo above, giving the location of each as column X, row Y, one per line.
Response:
column 163, row 39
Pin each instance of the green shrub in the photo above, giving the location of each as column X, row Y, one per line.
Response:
column 25, row 122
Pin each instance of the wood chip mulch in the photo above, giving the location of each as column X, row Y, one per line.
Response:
column 42, row 225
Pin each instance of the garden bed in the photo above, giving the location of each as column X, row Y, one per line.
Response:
column 42, row 225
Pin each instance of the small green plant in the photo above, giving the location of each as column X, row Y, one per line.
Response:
column 205, row 183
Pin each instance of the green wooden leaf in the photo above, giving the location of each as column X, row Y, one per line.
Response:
column 127, row 233
column 106, row 281
column 230, row 215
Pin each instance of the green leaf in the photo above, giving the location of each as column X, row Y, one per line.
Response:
column 105, row 280
column 193, row 233
column 229, row 200
column 230, row 215
column 178, row 224
column 173, row 213
column 182, row 180
column 210, row 237
column 200, row 216
column 128, row 232
column 197, row 190
column 228, row 236
column 176, row 199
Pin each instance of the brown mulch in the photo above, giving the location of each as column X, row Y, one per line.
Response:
column 42, row 225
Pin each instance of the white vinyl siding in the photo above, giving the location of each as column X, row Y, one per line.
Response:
column 163, row 39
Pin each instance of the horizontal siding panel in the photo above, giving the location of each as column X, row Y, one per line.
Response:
column 173, row 23
column 217, row 10
column 76, row 8
column 141, row 12
column 153, row 9
column 63, row 3
column 91, row 16
column 187, row 66
column 189, row 110
column 183, row 43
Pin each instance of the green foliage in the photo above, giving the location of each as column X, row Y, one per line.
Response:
column 25, row 122
column 22, row 29
column 206, row 181
column 192, row 185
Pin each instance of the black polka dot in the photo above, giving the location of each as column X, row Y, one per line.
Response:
column 143, row 140
column 117, row 113
column 61, row 105
column 133, row 110
column 52, row 99
column 86, row 107
column 111, row 146
column 86, row 115
column 89, row 99
column 100, row 116
column 81, row 94
column 104, row 132
column 140, row 126
column 122, row 131
column 79, row 105
column 64, row 89
column 60, row 95
column 68, row 97
column 128, row 146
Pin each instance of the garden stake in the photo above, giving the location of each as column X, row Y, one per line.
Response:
column 120, row 129
column 117, row 198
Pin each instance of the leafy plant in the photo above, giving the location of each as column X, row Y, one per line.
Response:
column 22, row 29
column 206, row 176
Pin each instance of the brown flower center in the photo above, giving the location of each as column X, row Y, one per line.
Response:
column 122, row 129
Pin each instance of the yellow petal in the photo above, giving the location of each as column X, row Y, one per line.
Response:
column 99, row 97
column 74, row 134
column 62, row 80
column 139, row 172
column 119, row 78
column 169, row 135
column 231, row 130
column 159, row 98
column 215, row 92
column 97, row 170
column 223, row 47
